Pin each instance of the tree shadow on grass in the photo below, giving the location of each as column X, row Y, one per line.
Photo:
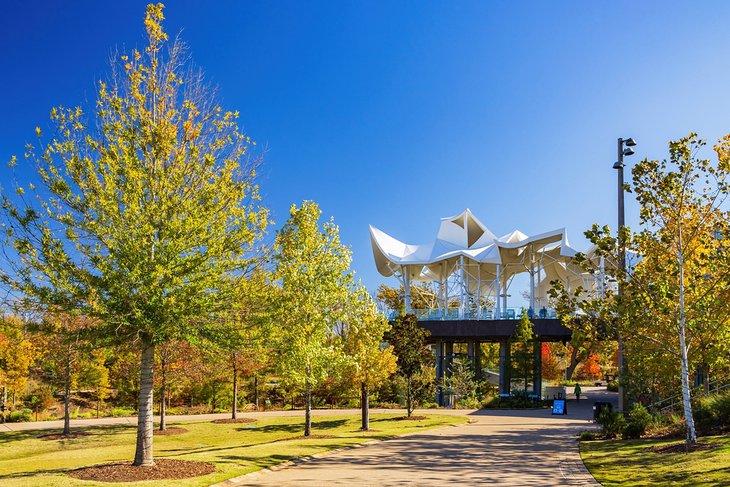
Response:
column 23, row 475
column 274, row 459
column 93, row 432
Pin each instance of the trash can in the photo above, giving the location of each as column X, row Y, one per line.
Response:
column 598, row 407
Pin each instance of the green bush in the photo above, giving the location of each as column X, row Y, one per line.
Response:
column 469, row 403
column 639, row 421
column 612, row 423
column 20, row 416
column 586, row 436
column 612, row 386
column 118, row 412
column 514, row 402
column 712, row 414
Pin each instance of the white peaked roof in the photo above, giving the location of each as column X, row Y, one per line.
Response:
column 464, row 235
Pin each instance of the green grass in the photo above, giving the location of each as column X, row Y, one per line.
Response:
column 235, row 449
column 628, row 464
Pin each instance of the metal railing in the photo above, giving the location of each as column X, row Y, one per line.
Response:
column 674, row 402
column 484, row 314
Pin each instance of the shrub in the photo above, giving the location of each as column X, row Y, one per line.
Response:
column 639, row 421
column 20, row 416
column 612, row 386
column 586, row 436
column 712, row 414
column 468, row 403
column 612, row 423
column 117, row 412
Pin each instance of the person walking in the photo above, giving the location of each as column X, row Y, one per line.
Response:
column 577, row 392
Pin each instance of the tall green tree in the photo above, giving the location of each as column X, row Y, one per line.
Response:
column 523, row 351
column 146, row 209
column 313, row 272
column 370, row 363
column 676, row 284
column 414, row 358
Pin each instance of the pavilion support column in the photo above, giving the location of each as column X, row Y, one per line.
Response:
column 475, row 358
column 532, row 283
column 505, row 366
column 537, row 367
column 448, row 362
column 439, row 373
column 406, row 289
column 497, row 306
column 504, row 293
column 462, row 289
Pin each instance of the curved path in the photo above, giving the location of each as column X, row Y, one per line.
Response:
column 531, row 448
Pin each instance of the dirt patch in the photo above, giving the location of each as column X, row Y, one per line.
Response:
column 233, row 421
column 61, row 436
column 411, row 418
column 170, row 432
column 163, row 469
column 681, row 448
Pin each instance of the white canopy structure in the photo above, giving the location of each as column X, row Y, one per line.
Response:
column 471, row 269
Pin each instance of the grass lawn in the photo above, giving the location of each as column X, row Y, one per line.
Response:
column 628, row 463
column 234, row 449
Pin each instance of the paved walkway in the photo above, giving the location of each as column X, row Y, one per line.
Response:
column 530, row 448
column 517, row 448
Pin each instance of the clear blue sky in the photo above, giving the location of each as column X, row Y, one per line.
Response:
column 399, row 113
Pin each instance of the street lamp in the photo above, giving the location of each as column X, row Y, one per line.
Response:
column 624, row 149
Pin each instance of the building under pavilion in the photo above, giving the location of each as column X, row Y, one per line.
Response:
column 470, row 271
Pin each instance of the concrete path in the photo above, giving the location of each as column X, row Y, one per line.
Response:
column 530, row 448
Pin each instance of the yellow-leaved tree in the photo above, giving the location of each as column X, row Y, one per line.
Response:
column 313, row 272
column 370, row 361
column 146, row 213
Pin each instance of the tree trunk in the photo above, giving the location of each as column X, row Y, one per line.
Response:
column 307, row 408
column 67, row 395
column 234, row 413
column 365, row 405
column 573, row 363
column 256, row 391
column 409, row 399
column 143, row 454
column 686, row 399
column 163, row 410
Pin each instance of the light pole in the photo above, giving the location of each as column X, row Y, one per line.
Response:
column 624, row 149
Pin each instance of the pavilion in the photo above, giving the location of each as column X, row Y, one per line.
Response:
column 470, row 271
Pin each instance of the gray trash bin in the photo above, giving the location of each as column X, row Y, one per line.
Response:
column 598, row 408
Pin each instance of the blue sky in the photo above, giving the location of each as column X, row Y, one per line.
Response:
column 398, row 113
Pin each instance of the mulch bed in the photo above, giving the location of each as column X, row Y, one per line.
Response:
column 232, row 421
column 681, row 448
column 163, row 469
column 61, row 436
column 412, row 418
column 170, row 432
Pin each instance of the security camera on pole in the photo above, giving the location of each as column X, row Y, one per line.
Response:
column 624, row 149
